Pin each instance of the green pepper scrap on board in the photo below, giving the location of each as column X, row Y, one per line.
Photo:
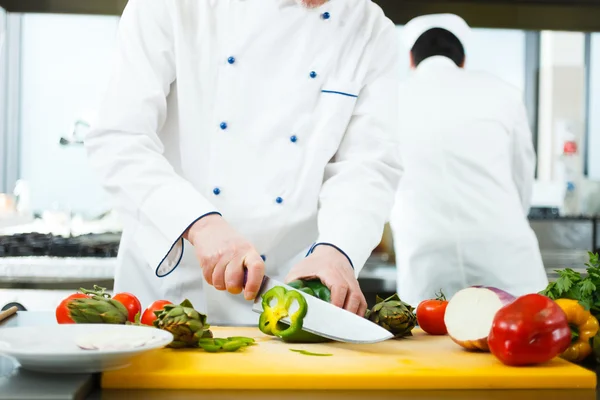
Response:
column 308, row 353
column 270, row 319
column 229, row 345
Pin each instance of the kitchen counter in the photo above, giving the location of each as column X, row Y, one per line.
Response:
column 16, row 385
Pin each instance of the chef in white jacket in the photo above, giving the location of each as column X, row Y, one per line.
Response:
column 460, row 213
column 261, row 132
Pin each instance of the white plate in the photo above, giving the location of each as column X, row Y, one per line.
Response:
column 55, row 348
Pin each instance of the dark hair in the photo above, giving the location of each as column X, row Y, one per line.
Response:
column 438, row 42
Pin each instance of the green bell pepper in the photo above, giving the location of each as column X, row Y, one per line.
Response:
column 313, row 287
column 269, row 322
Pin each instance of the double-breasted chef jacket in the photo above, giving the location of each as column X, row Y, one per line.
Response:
column 281, row 118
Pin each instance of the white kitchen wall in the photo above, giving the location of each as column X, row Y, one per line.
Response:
column 594, row 110
column 3, row 88
column 561, row 101
column 497, row 51
column 65, row 67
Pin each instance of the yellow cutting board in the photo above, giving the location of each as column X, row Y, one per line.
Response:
column 418, row 362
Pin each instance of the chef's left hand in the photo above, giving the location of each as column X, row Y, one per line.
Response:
column 334, row 270
column 312, row 3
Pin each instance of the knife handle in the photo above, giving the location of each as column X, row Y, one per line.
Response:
column 246, row 279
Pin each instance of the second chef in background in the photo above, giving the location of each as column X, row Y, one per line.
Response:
column 460, row 217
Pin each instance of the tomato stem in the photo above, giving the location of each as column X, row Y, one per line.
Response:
column 440, row 296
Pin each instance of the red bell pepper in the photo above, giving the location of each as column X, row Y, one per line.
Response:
column 533, row 329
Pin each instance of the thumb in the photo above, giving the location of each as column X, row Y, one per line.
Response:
column 302, row 270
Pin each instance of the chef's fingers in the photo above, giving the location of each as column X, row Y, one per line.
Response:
column 207, row 263
column 218, row 276
column 307, row 276
column 207, row 273
column 353, row 301
column 234, row 275
column 256, row 271
column 339, row 291
column 362, row 310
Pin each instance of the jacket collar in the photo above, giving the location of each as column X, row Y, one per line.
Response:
column 436, row 63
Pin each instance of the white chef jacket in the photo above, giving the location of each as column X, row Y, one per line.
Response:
column 282, row 119
column 460, row 213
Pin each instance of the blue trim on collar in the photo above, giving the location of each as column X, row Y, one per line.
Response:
column 312, row 248
column 336, row 92
column 182, row 246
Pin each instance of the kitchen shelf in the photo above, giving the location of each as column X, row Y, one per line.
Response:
column 98, row 7
column 560, row 15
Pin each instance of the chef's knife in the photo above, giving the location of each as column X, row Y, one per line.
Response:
column 325, row 319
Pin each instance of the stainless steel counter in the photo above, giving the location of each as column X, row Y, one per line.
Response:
column 17, row 384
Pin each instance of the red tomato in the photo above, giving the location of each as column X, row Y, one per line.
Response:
column 430, row 315
column 131, row 303
column 148, row 317
column 62, row 312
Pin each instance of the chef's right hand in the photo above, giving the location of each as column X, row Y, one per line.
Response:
column 223, row 253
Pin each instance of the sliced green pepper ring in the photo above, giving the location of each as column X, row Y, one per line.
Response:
column 269, row 322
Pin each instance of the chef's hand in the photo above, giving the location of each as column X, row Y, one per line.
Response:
column 223, row 253
column 335, row 272
column 312, row 3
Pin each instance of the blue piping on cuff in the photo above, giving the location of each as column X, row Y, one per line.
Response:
column 341, row 93
column 182, row 246
column 332, row 245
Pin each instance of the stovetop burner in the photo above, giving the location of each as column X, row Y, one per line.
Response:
column 104, row 245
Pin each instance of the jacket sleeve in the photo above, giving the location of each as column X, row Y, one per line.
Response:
column 360, row 182
column 524, row 158
column 155, row 203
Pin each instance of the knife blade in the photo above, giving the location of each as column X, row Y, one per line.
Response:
column 325, row 319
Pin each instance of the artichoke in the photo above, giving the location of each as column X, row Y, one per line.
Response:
column 187, row 325
column 393, row 315
column 98, row 308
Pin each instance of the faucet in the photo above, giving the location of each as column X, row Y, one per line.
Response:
column 76, row 138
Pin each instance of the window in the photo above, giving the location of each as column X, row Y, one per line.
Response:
column 593, row 123
column 3, row 90
column 65, row 65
